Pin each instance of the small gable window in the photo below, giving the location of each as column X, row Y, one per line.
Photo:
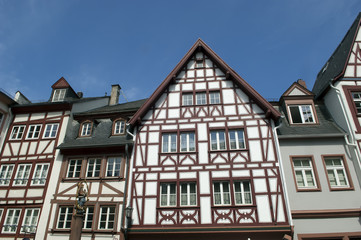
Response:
column 301, row 114
column 199, row 63
column 59, row 95
column 86, row 129
column 119, row 127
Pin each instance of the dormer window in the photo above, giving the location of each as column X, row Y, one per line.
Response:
column 119, row 127
column 301, row 114
column 86, row 129
column 59, row 95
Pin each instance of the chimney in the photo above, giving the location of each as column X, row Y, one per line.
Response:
column 114, row 94
column 302, row 83
column 80, row 94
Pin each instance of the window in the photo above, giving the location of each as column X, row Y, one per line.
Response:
column 64, row 219
column 40, row 174
column 167, row 194
column 119, row 127
column 357, row 100
column 305, row 177
column 107, row 217
column 30, row 221
column 301, row 114
column 86, row 129
column 199, row 63
column 59, row 95
column 169, row 142
column 51, row 130
column 336, row 172
column 88, row 217
column 74, row 168
column 236, row 139
column 201, row 98
column 242, row 192
column 188, row 194
column 33, row 132
column 187, row 99
column 11, row 220
column 93, row 169
column 113, row 166
column 17, row 132
column 218, row 141
column 214, row 98
column 187, row 142
column 6, row 171
column 221, row 193
column 22, row 174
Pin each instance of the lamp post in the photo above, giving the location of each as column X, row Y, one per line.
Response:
column 128, row 214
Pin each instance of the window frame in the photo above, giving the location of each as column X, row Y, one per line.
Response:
column 86, row 217
column 168, row 194
column 25, row 175
column 222, row 192
column 75, row 169
column 242, row 192
column 317, row 186
column 33, row 132
column 97, row 162
column 345, row 170
column 51, row 131
column 88, row 127
column 354, row 101
column 190, row 147
column 40, row 177
column 188, row 194
column 218, row 142
column 12, row 223
column 8, row 177
column 169, row 142
column 203, row 94
column 59, row 95
column 107, row 217
column 67, row 213
column 186, row 96
column 121, row 167
column 18, row 132
column 114, row 130
column 237, row 139
column 211, row 99
column 31, row 225
column 302, row 115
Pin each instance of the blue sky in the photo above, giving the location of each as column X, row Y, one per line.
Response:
column 135, row 44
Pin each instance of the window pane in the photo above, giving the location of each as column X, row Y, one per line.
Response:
column 295, row 113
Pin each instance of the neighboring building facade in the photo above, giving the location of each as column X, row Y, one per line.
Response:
column 322, row 185
column 96, row 149
column 5, row 114
column 205, row 162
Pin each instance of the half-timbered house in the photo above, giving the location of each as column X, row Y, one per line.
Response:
column 5, row 114
column 96, row 149
column 205, row 162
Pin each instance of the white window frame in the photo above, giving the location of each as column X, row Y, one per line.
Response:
column 119, row 127
column 188, row 195
column 189, row 140
column 49, row 131
column 22, row 175
column 243, row 193
column 74, row 167
column 17, row 132
column 107, row 214
column 169, row 140
column 303, row 169
column 335, row 170
column 92, row 165
column 59, row 95
column 40, row 175
column 30, row 221
column 114, row 165
column 68, row 214
column 222, row 193
column 302, row 114
column 215, row 97
column 170, row 198
column 33, row 131
column 199, row 63
column 201, row 98
column 239, row 140
column 88, row 217
column 86, row 129
column 187, row 99
column 356, row 96
column 216, row 138
column 6, row 172
column 11, row 221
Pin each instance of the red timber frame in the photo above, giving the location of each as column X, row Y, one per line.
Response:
column 155, row 119
column 18, row 157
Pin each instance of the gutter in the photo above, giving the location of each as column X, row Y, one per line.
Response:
column 314, row 136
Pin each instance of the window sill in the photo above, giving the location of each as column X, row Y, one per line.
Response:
column 177, row 207
column 90, row 179
column 170, row 153
column 228, row 150
column 341, row 188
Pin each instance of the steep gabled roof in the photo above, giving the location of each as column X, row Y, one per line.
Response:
column 61, row 83
column 336, row 64
column 297, row 89
column 230, row 73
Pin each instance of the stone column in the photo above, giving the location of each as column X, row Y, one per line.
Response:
column 76, row 226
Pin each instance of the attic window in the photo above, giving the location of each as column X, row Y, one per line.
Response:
column 199, row 63
column 119, row 127
column 59, row 95
column 301, row 114
column 86, row 129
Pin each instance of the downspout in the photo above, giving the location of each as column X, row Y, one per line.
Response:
column 128, row 182
column 349, row 143
column 278, row 151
